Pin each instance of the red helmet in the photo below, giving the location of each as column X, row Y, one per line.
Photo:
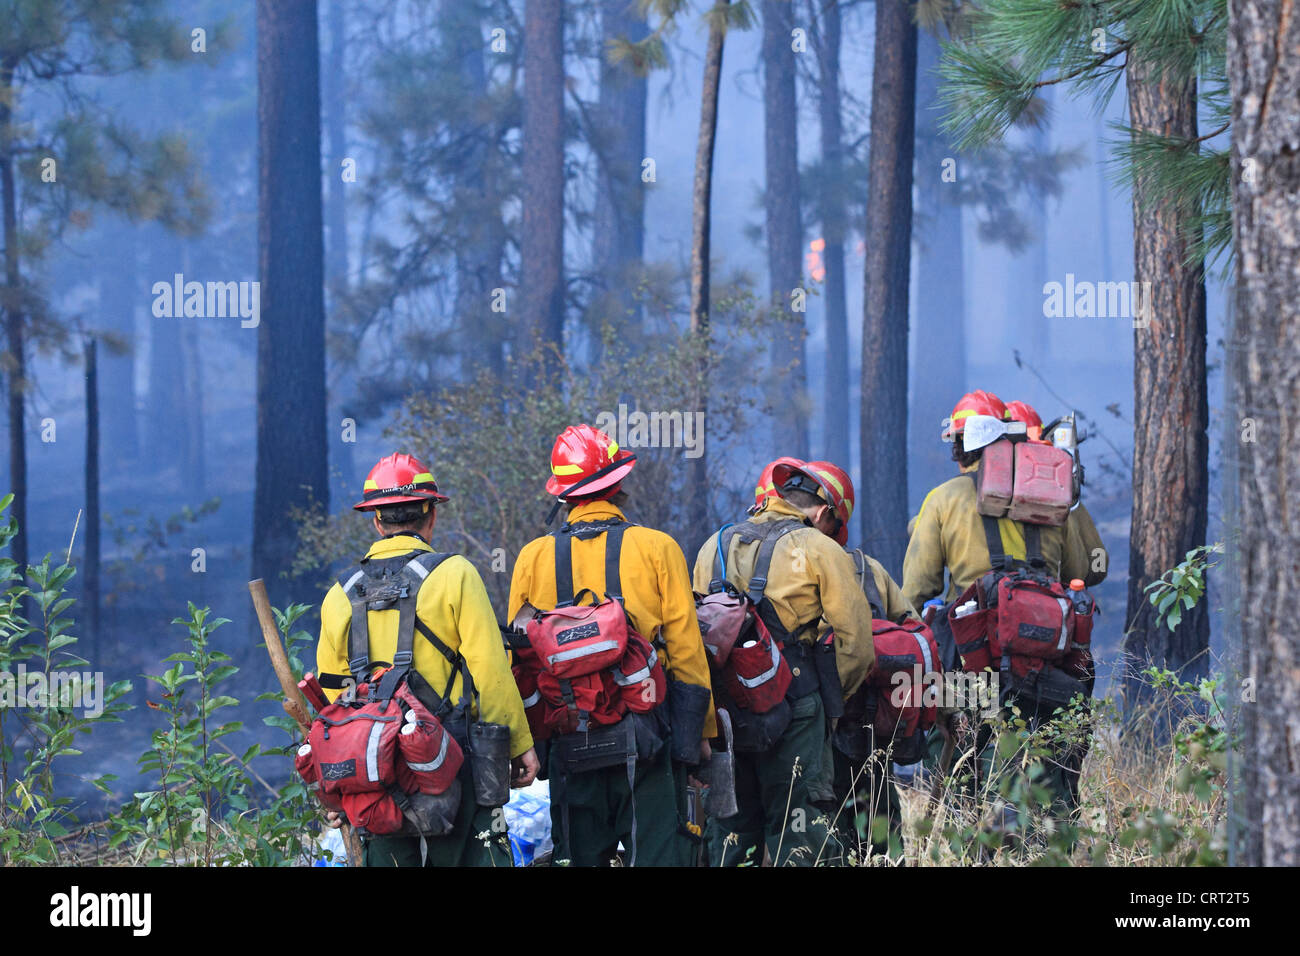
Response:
column 1018, row 411
column 586, row 455
column 766, row 487
column 832, row 484
column 978, row 402
column 397, row 479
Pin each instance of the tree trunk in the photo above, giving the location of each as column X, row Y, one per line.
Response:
column 479, row 255
column 541, row 248
column 939, row 364
column 835, row 233
column 784, row 231
column 90, row 566
column 889, row 254
column 166, row 399
column 697, row 508
column 15, row 358
column 1264, row 73
column 336, row 124
column 1170, row 406
column 119, row 292
column 291, row 443
column 619, row 144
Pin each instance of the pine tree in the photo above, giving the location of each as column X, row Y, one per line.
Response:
column 1171, row 54
column 66, row 163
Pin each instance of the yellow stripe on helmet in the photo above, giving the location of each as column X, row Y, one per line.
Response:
column 422, row 476
column 566, row 469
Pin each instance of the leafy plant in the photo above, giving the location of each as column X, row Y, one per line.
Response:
column 41, row 725
column 1179, row 588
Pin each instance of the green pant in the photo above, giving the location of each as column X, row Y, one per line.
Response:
column 600, row 810
column 773, row 793
column 463, row 846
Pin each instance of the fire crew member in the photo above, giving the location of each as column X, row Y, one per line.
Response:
column 949, row 533
column 809, row 579
column 871, row 785
column 587, row 471
column 453, row 605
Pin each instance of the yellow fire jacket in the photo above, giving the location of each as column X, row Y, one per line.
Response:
column 656, row 590
column 949, row 533
column 811, row 577
column 454, row 604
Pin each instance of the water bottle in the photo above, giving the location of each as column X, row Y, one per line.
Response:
column 930, row 609
column 1080, row 598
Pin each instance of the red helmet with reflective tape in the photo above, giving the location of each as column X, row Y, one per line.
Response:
column 832, row 484
column 1018, row 411
column 397, row 479
column 586, row 456
column 766, row 487
column 978, row 402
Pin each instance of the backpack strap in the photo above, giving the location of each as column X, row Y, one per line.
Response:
column 614, row 528
column 993, row 537
column 763, row 564
column 396, row 585
column 869, row 584
column 1001, row 561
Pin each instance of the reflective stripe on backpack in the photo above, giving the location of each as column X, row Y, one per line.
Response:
column 768, row 674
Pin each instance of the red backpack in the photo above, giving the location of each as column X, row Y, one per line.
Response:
column 380, row 752
column 892, row 702
column 585, row 664
column 1022, row 622
column 757, row 665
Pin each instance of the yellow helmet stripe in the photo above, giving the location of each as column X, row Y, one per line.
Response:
column 423, row 476
column 566, row 469
column 370, row 485
column 964, row 413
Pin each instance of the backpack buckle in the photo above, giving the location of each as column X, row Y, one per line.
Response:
column 403, row 659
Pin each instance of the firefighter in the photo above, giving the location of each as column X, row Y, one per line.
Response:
column 592, row 811
column 809, row 580
column 1084, row 550
column 861, row 791
column 949, row 535
column 452, row 605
